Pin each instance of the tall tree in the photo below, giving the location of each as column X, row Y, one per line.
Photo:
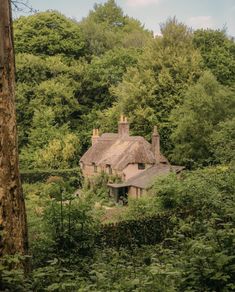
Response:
column 148, row 93
column 49, row 33
column 106, row 28
column 199, row 121
column 218, row 53
column 13, row 236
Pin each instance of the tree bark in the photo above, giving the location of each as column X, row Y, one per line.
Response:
column 13, row 228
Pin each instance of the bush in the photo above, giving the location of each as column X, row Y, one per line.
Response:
column 204, row 238
column 12, row 277
column 37, row 175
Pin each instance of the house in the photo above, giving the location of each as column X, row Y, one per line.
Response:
column 132, row 158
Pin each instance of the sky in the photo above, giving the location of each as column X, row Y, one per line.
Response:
column 215, row 14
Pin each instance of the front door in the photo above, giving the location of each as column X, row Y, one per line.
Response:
column 122, row 195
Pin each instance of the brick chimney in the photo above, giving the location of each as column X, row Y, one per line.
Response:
column 95, row 136
column 123, row 127
column 156, row 145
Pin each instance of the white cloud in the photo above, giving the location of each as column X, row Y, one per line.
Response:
column 137, row 3
column 201, row 22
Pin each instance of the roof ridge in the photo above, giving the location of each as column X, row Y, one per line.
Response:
column 119, row 151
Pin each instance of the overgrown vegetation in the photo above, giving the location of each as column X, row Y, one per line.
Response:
column 72, row 77
column 195, row 252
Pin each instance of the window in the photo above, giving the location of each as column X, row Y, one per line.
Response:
column 141, row 166
column 109, row 169
column 95, row 167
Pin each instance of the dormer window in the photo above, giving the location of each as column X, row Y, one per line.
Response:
column 141, row 166
column 109, row 169
column 94, row 167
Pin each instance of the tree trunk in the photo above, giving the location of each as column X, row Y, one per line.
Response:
column 13, row 229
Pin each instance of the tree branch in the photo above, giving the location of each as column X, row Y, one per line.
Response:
column 22, row 5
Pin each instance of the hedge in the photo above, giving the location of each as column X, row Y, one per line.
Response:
column 150, row 230
column 38, row 175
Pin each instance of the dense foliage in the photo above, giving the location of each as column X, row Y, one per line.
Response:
column 75, row 76
column 60, row 79
column 218, row 52
column 206, row 107
column 110, row 64
column 50, row 34
column 196, row 253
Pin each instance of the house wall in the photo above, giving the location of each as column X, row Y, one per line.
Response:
column 135, row 192
column 132, row 170
column 114, row 172
column 89, row 170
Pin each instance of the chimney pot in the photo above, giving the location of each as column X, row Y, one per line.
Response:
column 155, row 131
column 123, row 127
column 156, row 145
column 95, row 136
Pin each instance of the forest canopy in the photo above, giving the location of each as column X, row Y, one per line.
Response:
column 84, row 74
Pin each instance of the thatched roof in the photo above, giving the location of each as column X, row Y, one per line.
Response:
column 119, row 151
column 146, row 178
